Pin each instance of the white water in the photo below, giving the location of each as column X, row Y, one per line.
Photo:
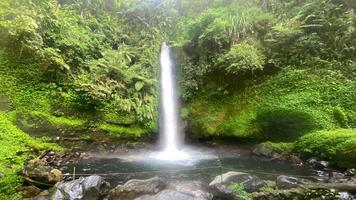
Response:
column 169, row 114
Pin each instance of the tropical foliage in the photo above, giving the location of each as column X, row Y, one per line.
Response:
column 261, row 70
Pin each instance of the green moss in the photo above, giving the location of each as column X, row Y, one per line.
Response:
column 72, row 122
column 239, row 189
column 266, row 189
column 337, row 145
column 281, row 108
column 122, row 131
column 12, row 157
column 280, row 147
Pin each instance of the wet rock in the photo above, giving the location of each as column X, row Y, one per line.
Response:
column 224, row 192
column 288, row 182
column 89, row 188
column 251, row 183
column 336, row 175
column 345, row 196
column 193, row 188
column 295, row 159
column 295, row 194
column 39, row 170
column 135, row 188
column 322, row 193
column 350, row 172
column 266, row 152
column 318, row 164
column 30, row 191
column 169, row 194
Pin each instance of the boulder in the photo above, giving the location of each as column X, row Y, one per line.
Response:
column 318, row 164
column 193, row 188
column 88, row 188
column 350, row 172
column 266, row 152
column 186, row 190
column 30, row 191
column 224, row 192
column 288, row 182
column 337, row 177
column 39, row 170
column 135, row 188
column 345, row 196
column 167, row 195
column 251, row 183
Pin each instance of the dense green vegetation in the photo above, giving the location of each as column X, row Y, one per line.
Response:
column 69, row 57
column 337, row 145
column 260, row 70
column 270, row 71
column 16, row 146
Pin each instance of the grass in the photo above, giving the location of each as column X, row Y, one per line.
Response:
column 62, row 121
column 12, row 157
column 122, row 131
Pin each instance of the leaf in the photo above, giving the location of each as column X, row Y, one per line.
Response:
column 139, row 85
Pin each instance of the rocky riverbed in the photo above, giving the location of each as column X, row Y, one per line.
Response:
column 46, row 180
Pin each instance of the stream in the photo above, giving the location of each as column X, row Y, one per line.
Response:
column 204, row 165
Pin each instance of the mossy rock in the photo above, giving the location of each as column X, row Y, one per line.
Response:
column 335, row 145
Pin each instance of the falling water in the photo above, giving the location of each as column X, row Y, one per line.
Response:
column 169, row 115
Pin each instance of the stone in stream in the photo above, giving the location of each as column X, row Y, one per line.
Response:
column 169, row 194
column 350, row 172
column 220, row 185
column 135, row 188
column 185, row 190
column 88, row 188
column 194, row 188
column 318, row 164
column 251, row 183
column 266, row 152
column 288, row 182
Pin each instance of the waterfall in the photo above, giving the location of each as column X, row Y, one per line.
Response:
column 169, row 109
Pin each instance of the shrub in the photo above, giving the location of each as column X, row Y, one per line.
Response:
column 337, row 145
column 241, row 58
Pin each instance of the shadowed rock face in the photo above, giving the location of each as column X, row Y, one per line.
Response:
column 288, row 182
